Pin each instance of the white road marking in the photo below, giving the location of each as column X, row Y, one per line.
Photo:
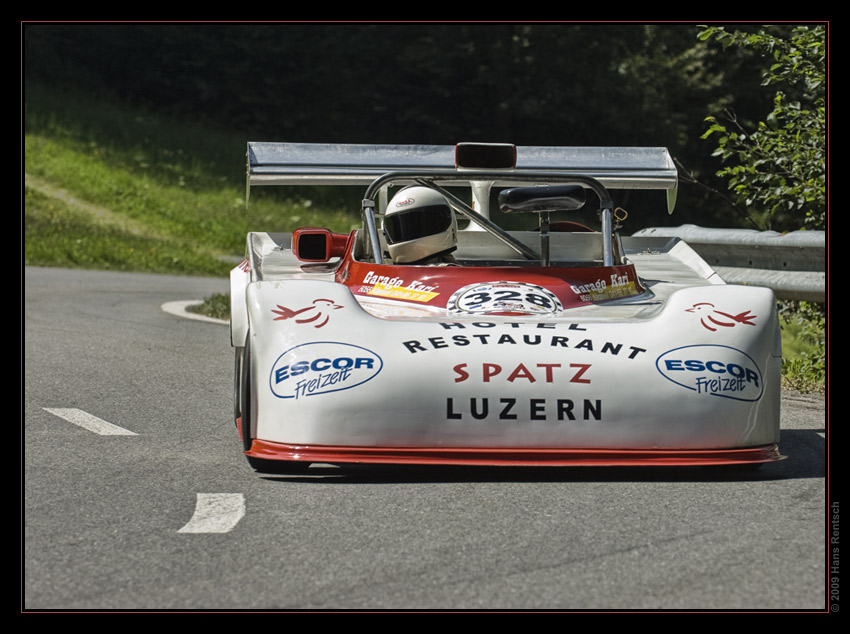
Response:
column 216, row 513
column 87, row 421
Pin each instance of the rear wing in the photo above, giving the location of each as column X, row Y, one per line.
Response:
column 359, row 164
column 478, row 165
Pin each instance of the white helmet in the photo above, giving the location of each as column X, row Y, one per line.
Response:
column 419, row 224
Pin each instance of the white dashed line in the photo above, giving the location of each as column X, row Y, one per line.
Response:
column 87, row 421
column 216, row 513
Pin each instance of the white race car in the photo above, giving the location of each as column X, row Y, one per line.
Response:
column 433, row 336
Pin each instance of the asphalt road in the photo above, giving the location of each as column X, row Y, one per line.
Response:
column 161, row 511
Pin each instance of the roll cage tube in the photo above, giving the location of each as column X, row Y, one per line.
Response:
column 368, row 212
column 473, row 215
column 606, row 203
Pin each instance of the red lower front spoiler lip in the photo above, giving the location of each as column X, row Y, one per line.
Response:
column 514, row 457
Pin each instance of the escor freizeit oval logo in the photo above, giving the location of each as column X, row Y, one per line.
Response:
column 713, row 370
column 321, row 367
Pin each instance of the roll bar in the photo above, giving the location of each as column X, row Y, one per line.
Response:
column 434, row 181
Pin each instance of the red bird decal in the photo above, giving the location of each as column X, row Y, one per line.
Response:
column 712, row 317
column 318, row 312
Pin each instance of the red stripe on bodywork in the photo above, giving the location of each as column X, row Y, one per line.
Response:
column 514, row 457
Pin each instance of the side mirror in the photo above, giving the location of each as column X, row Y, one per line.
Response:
column 318, row 245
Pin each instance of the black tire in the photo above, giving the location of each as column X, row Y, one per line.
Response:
column 244, row 399
column 749, row 467
column 237, row 383
column 244, row 406
column 278, row 467
column 734, row 470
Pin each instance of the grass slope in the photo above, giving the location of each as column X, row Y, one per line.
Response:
column 108, row 187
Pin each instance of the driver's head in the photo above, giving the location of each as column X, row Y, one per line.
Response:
column 419, row 224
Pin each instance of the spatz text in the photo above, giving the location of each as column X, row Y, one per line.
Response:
column 531, row 373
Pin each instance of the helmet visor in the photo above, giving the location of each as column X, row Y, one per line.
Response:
column 417, row 223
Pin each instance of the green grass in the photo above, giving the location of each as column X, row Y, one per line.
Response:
column 803, row 346
column 59, row 233
column 109, row 187
column 216, row 305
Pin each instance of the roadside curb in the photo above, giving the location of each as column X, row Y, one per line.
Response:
column 180, row 309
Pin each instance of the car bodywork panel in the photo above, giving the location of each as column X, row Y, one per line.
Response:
column 638, row 354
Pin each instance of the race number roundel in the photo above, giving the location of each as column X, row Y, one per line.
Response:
column 504, row 298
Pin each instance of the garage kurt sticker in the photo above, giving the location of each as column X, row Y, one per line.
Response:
column 322, row 367
column 504, row 298
column 714, row 371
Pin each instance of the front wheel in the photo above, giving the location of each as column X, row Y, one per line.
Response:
column 244, row 408
column 244, row 396
column 278, row 467
column 237, row 383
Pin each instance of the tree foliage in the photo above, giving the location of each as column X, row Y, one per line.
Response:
column 529, row 84
column 777, row 168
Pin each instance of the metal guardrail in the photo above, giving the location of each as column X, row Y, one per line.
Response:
column 792, row 264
